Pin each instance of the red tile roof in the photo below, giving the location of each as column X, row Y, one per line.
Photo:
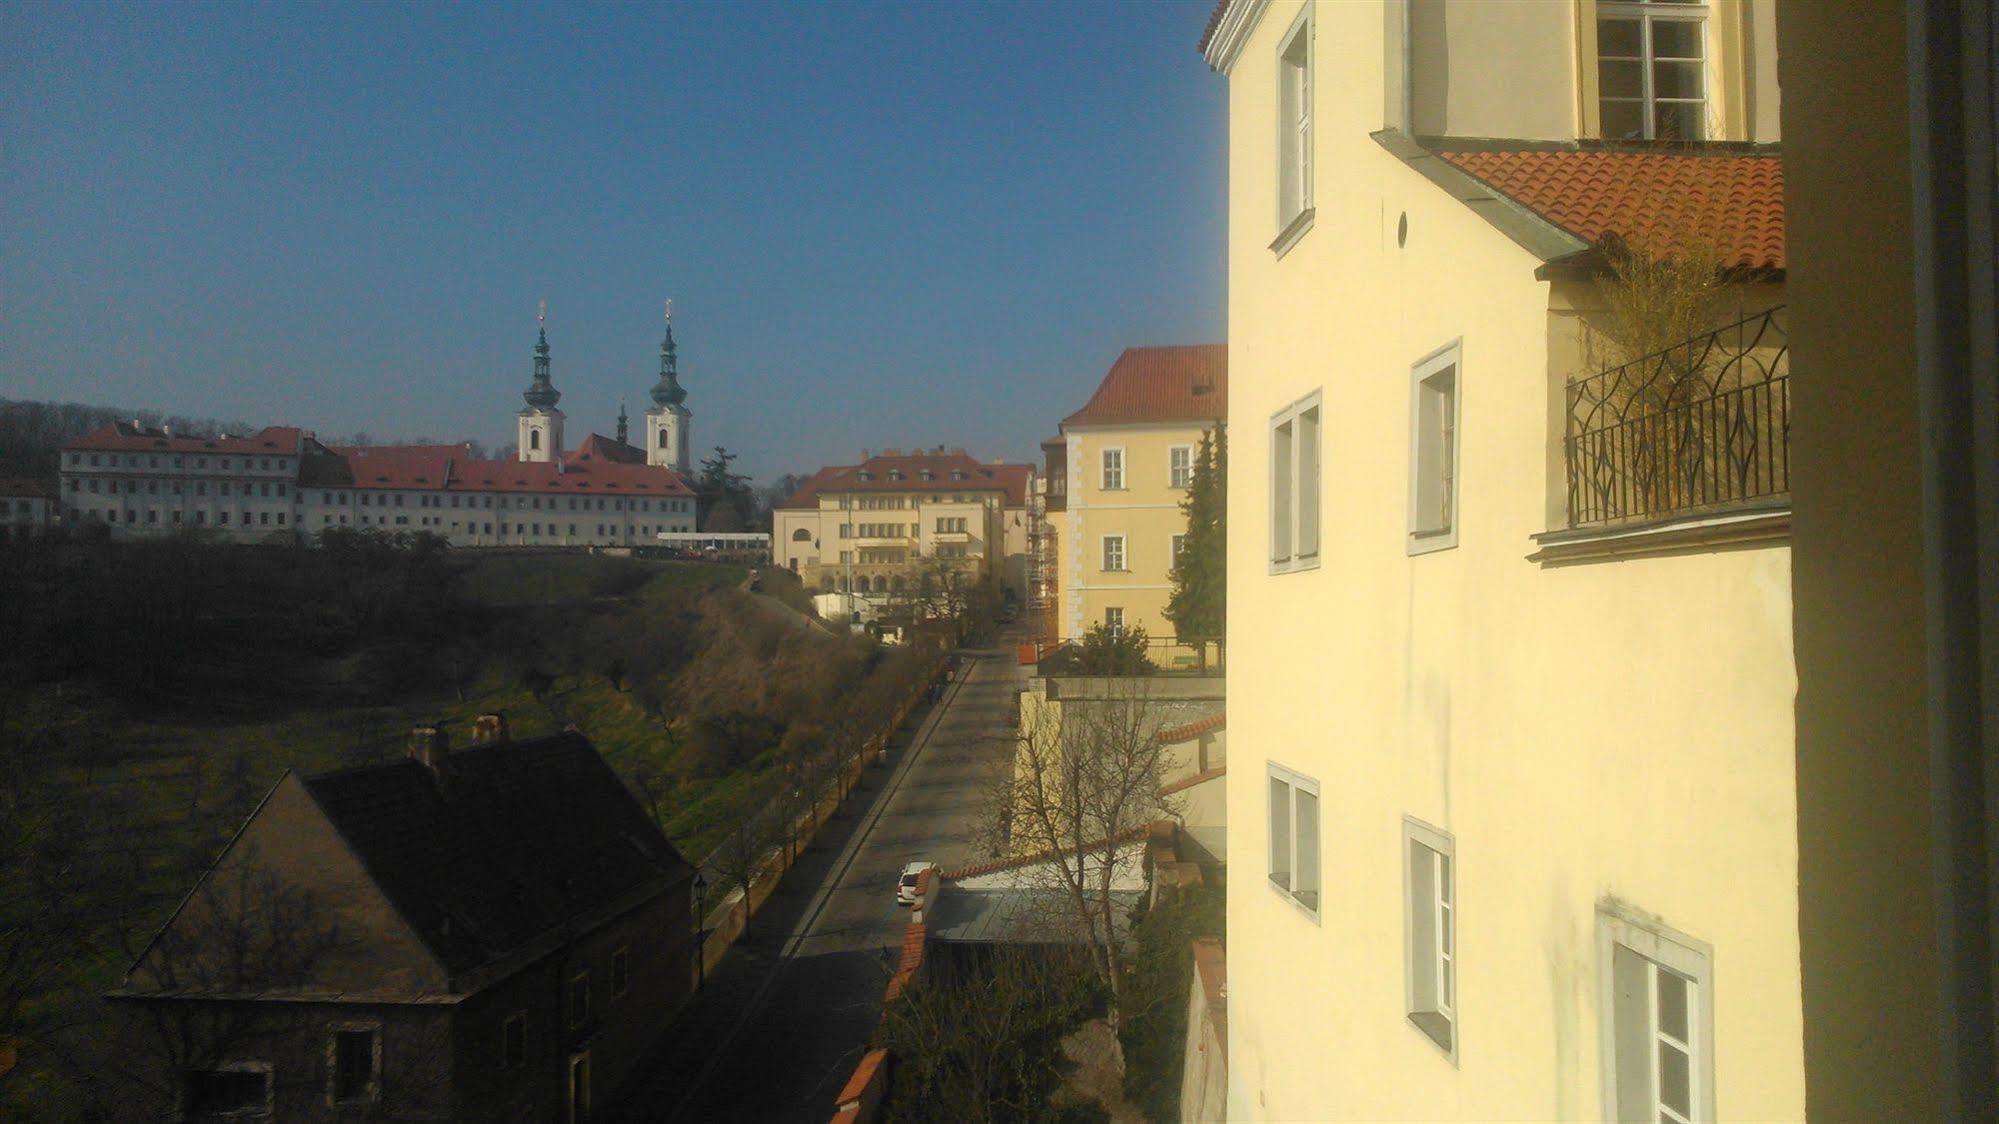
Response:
column 1193, row 729
column 1188, row 382
column 1010, row 478
column 1214, row 22
column 600, row 466
column 1733, row 201
column 15, row 486
column 131, row 437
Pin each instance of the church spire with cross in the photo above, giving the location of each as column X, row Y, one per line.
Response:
column 668, row 431
column 541, row 422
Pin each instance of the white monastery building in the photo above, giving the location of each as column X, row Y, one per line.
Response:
column 283, row 481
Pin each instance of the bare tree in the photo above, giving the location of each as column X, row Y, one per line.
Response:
column 1084, row 790
column 245, row 934
column 985, row 1046
column 746, row 853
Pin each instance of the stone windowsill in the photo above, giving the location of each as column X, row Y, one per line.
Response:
column 1765, row 522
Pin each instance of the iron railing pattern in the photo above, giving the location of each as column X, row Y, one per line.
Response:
column 1701, row 425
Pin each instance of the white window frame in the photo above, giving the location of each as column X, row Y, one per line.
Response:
column 1114, row 619
column 1174, row 472
column 1646, row 14
column 1176, row 545
column 1294, row 132
column 333, row 1033
column 1123, row 554
column 1289, row 494
column 1105, row 473
column 1663, row 948
column 1430, row 979
column 1285, row 883
column 1425, row 532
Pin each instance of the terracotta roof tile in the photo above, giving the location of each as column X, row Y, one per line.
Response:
column 1214, row 22
column 128, row 437
column 864, row 1075
column 1732, row 200
column 878, row 474
column 600, row 466
column 1194, row 729
column 26, row 486
column 1188, row 382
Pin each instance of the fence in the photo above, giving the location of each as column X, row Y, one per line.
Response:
column 1699, row 426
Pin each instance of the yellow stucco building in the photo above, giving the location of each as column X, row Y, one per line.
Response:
column 1117, row 474
column 1511, row 675
column 872, row 527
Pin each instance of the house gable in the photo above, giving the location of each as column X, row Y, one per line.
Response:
column 291, row 887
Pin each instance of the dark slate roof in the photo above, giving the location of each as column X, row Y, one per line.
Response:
column 530, row 837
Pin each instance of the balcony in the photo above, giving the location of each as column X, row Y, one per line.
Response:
column 1699, row 429
column 952, row 537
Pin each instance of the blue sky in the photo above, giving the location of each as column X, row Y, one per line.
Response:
column 881, row 224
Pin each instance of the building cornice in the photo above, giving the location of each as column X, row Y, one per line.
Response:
column 1232, row 31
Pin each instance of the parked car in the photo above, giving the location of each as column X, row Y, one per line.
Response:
column 905, row 889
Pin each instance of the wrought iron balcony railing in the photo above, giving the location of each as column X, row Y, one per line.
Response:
column 1697, row 427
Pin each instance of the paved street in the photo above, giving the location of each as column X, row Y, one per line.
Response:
column 777, row 1029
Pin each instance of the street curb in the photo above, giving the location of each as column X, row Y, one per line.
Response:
column 835, row 875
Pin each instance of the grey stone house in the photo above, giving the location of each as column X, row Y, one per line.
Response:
column 497, row 933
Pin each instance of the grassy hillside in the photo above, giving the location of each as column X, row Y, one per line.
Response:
column 156, row 694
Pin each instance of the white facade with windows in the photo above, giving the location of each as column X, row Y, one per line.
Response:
column 282, row 481
column 1484, row 710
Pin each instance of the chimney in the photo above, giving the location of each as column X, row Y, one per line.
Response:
column 427, row 747
column 489, row 729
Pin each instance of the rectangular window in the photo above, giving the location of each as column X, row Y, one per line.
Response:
column 579, row 998
column 1294, row 131
column 621, row 972
column 1113, row 553
column 1294, row 837
column 1178, row 548
column 1433, row 452
column 514, row 1041
column 1430, row 927
column 1114, row 621
column 1657, row 1021
column 1113, row 477
column 1180, row 466
column 1294, row 486
column 235, row 1089
column 1651, row 70
column 357, row 1063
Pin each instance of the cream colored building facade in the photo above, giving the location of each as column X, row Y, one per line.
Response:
column 1127, row 460
column 1514, row 821
column 870, row 527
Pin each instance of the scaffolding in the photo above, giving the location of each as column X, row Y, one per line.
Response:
column 1044, row 602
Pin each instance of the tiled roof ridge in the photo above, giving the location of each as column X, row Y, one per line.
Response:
column 1015, row 862
column 1194, row 729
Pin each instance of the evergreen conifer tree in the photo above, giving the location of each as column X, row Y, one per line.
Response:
column 1198, row 607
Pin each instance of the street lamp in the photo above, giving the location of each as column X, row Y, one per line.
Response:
column 700, row 952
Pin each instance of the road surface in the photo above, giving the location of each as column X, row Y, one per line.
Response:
column 777, row 1028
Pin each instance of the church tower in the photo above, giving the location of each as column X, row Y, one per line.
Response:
column 669, row 435
column 541, row 422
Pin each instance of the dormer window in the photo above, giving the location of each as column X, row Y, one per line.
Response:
column 895, row 474
column 957, row 474
column 1651, row 70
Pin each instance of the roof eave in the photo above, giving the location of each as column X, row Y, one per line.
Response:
column 1528, row 230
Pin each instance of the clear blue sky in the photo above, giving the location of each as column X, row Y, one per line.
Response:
column 881, row 224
